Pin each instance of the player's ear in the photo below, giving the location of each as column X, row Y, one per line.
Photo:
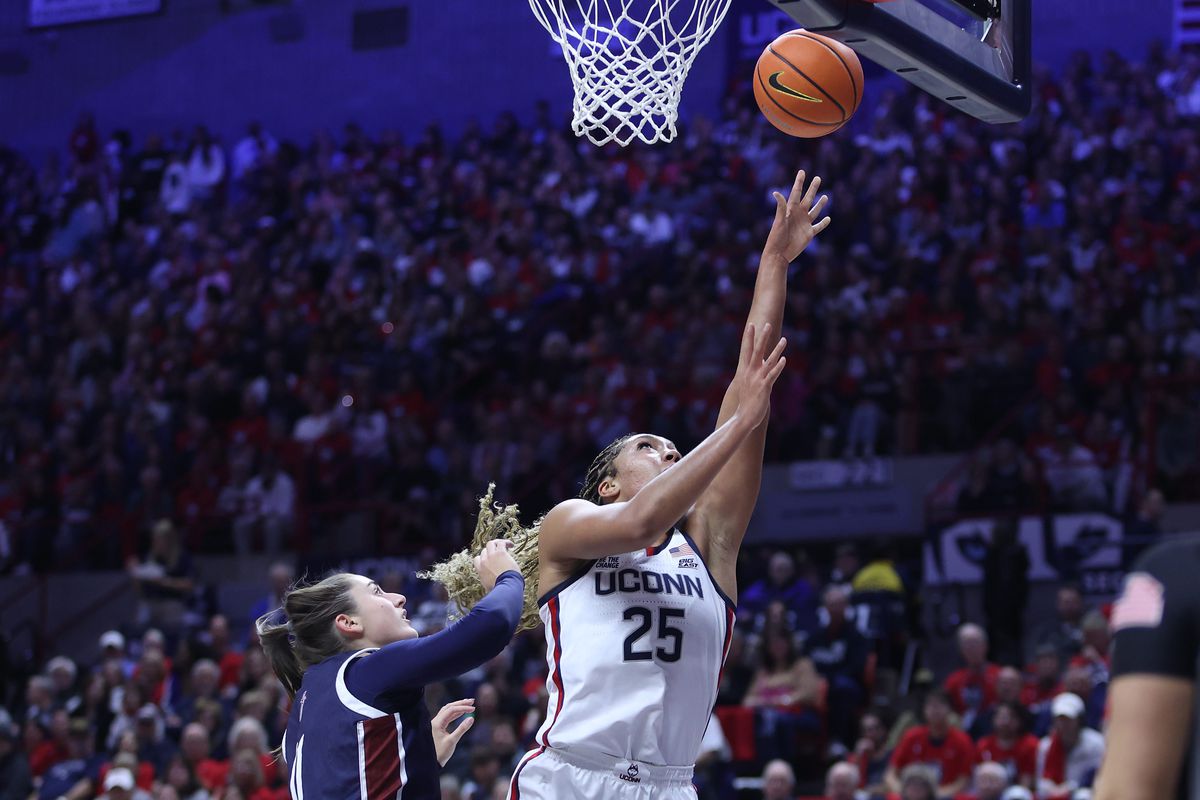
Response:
column 347, row 625
column 608, row 490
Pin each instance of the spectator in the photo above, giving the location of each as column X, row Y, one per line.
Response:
column 1009, row 747
column 280, row 578
column 992, row 783
column 944, row 749
column 778, row 781
column 77, row 774
column 1143, row 530
column 1064, row 633
column 484, row 770
column 119, row 785
column 16, row 781
column 1070, row 756
column 919, row 782
column 871, row 754
column 165, row 579
column 195, row 748
column 782, row 585
column 268, row 508
column 841, row 783
column 783, row 679
column 839, row 653
column 62, row 673
column 972, row 688
column 846, row 564
column 1071, row 471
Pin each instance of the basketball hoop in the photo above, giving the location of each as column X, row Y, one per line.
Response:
column 628, row 61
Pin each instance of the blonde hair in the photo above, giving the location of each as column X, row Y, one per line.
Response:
column 457, row 573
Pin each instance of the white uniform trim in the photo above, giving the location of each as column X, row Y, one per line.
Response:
column 403, row 769
column 296, row 780
column 362, row 763
column 350, row 701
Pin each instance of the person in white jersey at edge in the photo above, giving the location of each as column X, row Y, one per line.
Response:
column 638, row 613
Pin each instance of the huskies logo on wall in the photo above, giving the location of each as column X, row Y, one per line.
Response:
column 1068, row 546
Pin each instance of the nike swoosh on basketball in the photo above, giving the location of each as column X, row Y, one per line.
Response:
column 778, row 86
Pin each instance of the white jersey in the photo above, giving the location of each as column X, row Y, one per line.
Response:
column 635, row 645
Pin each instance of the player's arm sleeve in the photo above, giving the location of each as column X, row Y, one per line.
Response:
column 412, row 663
column 1156, row 616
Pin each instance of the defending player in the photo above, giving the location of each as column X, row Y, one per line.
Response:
column 356, row 672
column 638, row 613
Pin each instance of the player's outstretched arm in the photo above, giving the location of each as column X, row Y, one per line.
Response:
column 724, row 512
column 477, row 637
column 578, row 529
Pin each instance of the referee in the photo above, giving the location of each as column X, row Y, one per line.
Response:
column 1151, row 747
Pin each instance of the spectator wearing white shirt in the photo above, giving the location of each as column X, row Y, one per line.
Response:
column 253, row 151
column 205, row 165
column 268, row 505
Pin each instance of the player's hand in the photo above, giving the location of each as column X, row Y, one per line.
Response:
column 444, row 739
column 759, row 366
column 494, row 561
column 796, row 218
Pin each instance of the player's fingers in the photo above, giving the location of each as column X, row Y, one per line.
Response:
column 816, row 210
column 820, row 226
column 777, row 353
column 811, row 194
column 462, row 728
column 760, row 351
column 776, row 370
column 780, row 206
column 797, row 188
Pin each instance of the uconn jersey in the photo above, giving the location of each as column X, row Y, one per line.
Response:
column 339, row 746
column 635, row 645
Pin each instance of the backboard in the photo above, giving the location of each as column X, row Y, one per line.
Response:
column 972, row 54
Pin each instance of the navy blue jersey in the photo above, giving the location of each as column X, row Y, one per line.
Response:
column 359, row 728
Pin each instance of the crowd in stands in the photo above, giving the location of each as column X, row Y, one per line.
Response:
column 243, row 338
column 212, row 348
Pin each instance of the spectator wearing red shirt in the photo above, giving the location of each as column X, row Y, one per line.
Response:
column 948, row 751
column 972, row 689
column 1047, row 680
column 1094, row 656
column 1009, row 747
column 1010, row 686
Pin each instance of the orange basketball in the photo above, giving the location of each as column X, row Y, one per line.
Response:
column 808, row 85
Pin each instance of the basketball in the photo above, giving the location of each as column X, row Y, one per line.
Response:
column 808, row 85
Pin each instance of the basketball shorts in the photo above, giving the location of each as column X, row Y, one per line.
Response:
column 551, row 774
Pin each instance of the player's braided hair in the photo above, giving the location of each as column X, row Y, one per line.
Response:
column 603, row 466
column 457, row 573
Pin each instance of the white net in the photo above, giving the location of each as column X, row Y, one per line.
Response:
column 628, row 61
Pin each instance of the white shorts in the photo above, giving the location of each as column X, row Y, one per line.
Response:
column 551, row 774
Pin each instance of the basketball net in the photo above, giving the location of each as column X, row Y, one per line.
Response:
column 628, row 61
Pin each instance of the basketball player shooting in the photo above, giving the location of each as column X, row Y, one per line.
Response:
column 638, row 613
